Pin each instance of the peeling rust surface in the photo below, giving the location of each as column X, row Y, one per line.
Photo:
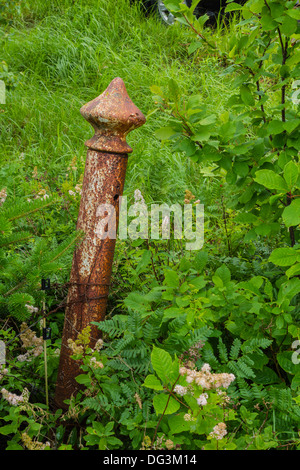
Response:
column 112, row 115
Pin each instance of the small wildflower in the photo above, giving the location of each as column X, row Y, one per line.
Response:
column 202, row 400
column 31, row 342
column 3, row 372
column 206, row 368
column 78, row 188
column 73, row 165
column 14, row 399
column 189, row 417
column 180, row 390
column 75, row 348
column 219, row 431
column 189, row 196
column 146, row 444
column 30, row 444
column 99, row 344
column 169, row 444
column 31, row 308
column 3, row 196
column 95, row 363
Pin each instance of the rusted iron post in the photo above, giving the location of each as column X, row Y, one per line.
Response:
column 112, row 115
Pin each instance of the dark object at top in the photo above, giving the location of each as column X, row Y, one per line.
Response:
column 210, row 7
column 45, row 284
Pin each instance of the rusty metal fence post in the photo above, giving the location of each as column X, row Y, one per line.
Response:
column 113, row 115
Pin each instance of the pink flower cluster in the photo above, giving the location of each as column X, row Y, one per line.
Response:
column 14, row 399
column 219, row 431
column 206, row 379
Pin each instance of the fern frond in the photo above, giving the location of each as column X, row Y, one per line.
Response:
column 235, row 349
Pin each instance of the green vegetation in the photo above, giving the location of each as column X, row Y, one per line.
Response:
column 200, row 348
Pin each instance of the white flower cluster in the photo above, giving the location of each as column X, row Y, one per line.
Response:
column 3, row 372
column 99, row 344
column 180, row 390
column 206, row 379
column 95, row 363
column 31, row 342
column 78, row 190
column 14, row 399
column 189, row 417
column 202, row 400
column 41, row 195
column 3, row 196
column 219, row 431
column 31, row 308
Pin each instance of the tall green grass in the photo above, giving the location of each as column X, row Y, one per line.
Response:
column 65, row 53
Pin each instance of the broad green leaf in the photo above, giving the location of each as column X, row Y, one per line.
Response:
column 257, row 5
column 267, row 23
column 285, row 361
column 276, row 127
column 288, row 290
column 83, row 379
column 271, row 180
column 174, row 89
column 233, row 7
column 247, row 96
column 144, row 261
column 203, row 133
column 164, row 404
column 194, row 46
column 224, row 274
column 293, row 270
column 291, row 213
column 246, row 218
column 162, row 363
column 283, row 256
column 91, row 440
column 178, row 424
column 195, row 102
column 9, row 429
column 198, row 282
column 156, row 90
column 290, row 126
column 200, row 260
column 152, row 381
column 208, row 120
column 276, row 10
column 171, row 278
column 165, row 133
column 294, row 13
column 289, row 26
column 241, row 169
column 290, row 174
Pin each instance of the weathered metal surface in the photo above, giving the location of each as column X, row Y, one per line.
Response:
column 112, row 116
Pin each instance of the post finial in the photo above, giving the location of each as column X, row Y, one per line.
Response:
column 113, row 115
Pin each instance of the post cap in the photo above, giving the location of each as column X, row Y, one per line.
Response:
column 113, row 115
